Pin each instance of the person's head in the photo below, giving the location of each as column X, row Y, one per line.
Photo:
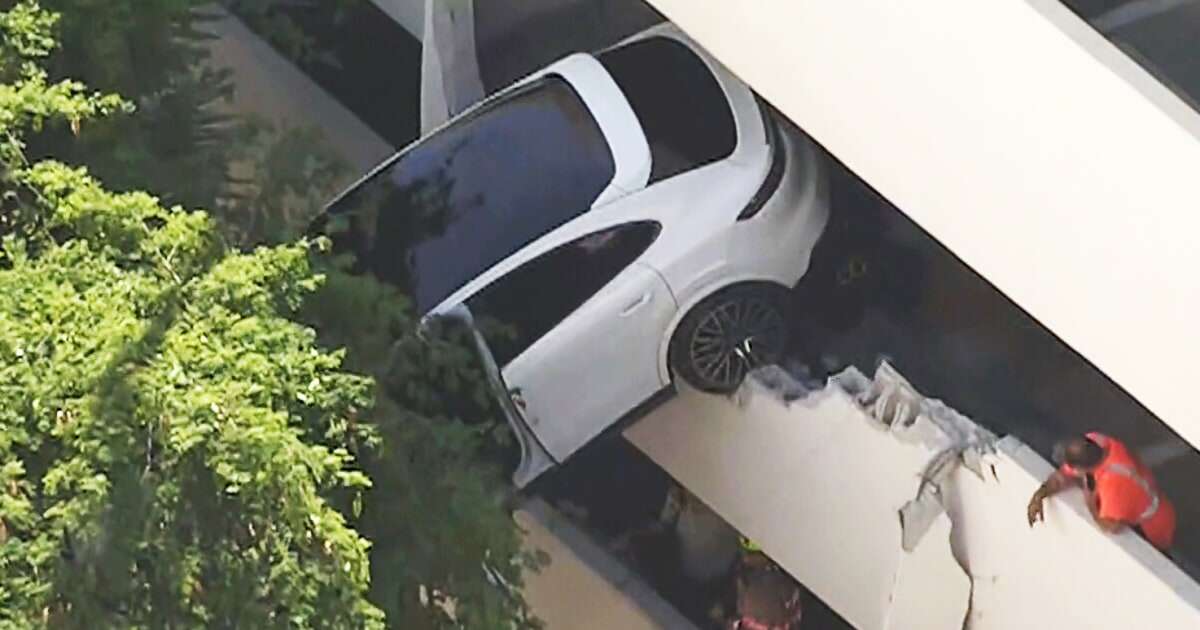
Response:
column 1079, row 453
column 769, row 597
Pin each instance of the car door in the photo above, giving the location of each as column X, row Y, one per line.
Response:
column 584, row 323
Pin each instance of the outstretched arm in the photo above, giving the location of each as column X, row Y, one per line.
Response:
column 1056, row 483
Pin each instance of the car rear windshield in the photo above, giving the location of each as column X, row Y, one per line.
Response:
column 460, row 201
column 681, row 107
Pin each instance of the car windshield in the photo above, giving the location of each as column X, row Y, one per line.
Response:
column 460, row 201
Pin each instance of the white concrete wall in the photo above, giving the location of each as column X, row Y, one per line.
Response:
column 1022, row 140
column 1063, row 573
column 268, row 86
column 820, row 485
column 409, row 13
column 450, row 79
column 584, row 587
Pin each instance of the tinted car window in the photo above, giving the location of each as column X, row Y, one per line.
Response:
column 539, row 294
column 465, row 198
column 681, row 107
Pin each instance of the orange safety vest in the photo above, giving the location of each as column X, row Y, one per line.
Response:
column 1126, row 491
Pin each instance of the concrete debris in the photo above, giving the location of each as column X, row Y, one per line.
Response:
column 917, row 516
column 834, row 479
column 893, row 401
column 897, row 405
column 915, row 418
column 909, row 416
column 783, row 383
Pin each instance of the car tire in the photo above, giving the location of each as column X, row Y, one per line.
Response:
column 730, row 333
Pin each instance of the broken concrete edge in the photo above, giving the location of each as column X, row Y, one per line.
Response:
column 607, row 566
column 914, row 547
column 908, row 415
column 899, row 408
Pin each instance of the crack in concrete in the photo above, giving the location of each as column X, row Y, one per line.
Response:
column 911, row 417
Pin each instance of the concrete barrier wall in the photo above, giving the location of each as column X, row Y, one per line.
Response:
column 1064, row 573
column 584, row 587
column 1021, row 139
column 270, row 87
column 820, row 484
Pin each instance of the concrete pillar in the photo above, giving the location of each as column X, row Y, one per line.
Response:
column 408, row 13
column 450, row 80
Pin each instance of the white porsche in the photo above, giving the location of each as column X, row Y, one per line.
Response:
column 634, row 215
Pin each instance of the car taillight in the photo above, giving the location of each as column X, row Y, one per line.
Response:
column 778, row 161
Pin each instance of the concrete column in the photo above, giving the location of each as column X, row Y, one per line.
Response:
column 450, row 80
column 408, row 13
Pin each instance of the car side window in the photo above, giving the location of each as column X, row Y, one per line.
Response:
column 532, row 299
column 461, row 200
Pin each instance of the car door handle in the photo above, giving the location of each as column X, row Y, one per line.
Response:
column 518, row 397
column 635, row 305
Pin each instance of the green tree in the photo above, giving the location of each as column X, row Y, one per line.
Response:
column 178, row 450
column 436, row 511
column 172, row 446
column 182, row 141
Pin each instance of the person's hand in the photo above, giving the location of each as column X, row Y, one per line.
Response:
column 1034, row 512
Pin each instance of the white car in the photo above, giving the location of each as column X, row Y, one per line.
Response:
column 632, row 214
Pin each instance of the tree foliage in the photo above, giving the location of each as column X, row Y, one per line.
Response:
column 435, row 512
column 178, row 445
column 170, row 439
column 181, row 138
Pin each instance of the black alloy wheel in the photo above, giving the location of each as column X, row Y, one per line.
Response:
column 729, row 334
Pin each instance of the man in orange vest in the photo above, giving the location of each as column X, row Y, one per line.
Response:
column 1119, row 489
